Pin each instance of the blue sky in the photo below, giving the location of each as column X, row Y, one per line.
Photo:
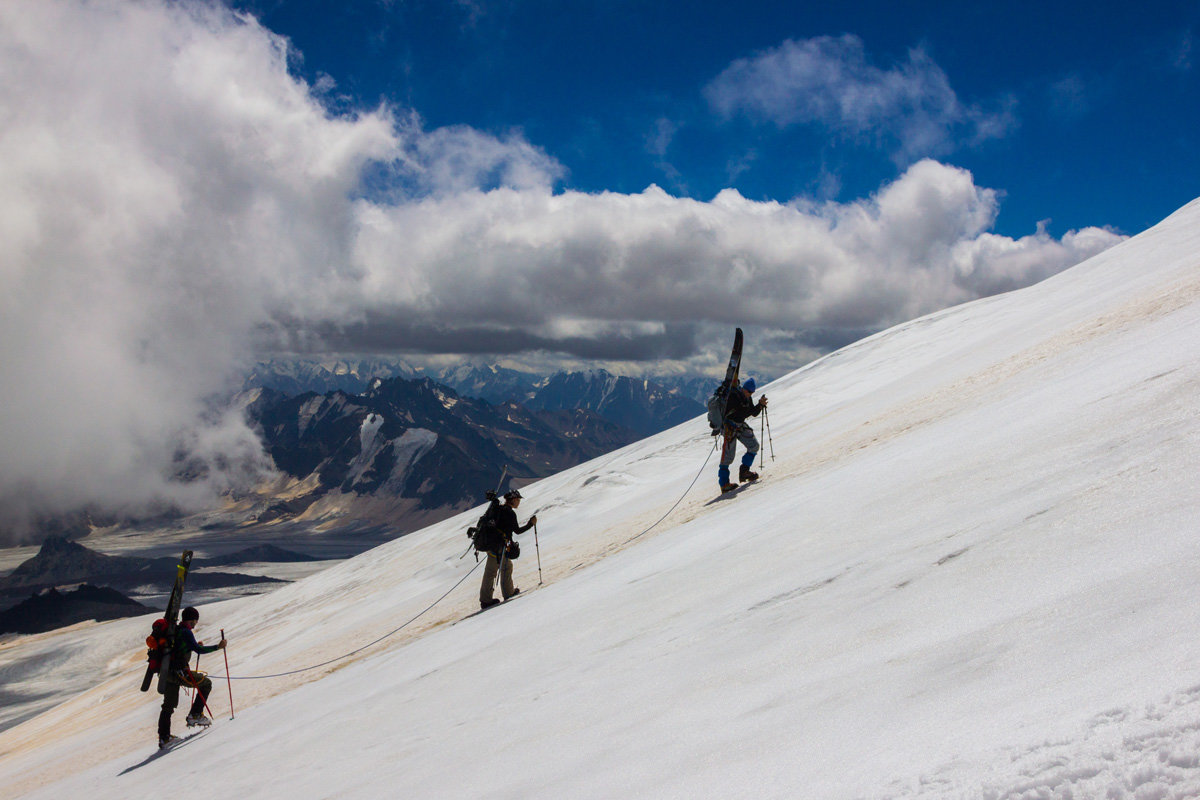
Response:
column 1096, row 107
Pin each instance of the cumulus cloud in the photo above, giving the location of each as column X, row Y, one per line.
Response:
column 532, row 260
column 154, row 161
column 171, row 198
column 459, row 158
column 829, row 81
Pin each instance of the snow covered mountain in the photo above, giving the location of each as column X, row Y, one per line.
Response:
column 971, row 571
column 415, row 450
column 646, row 406
column 698, row 388
column 489, row 382
column 643, row 405
column 297, row 376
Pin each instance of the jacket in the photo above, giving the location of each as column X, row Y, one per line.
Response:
column 739, row 406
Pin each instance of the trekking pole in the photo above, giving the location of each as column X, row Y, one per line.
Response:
column 539, row 553
column 195, row 687
column 504, row 549
column 770, row 441
column 206, row 708
column 228, row 681
column 762, row 428
column 192, row 689
column 500, row 572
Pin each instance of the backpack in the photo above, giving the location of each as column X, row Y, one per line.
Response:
column 484, row 533
column 716, row 408
column 158, row 647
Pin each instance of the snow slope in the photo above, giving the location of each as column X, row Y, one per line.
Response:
column 971, row 571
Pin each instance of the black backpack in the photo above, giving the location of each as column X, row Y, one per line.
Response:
column 484, row 533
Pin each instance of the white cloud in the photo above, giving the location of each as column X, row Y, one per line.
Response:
column 829, row 81
column 659, row 140
column 170, row 195
column 167, row 190
column 533, row 259
column 459, row 158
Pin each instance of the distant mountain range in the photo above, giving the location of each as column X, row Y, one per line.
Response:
column 417, row 446
column 403, row 452
column 298, row 376
column 259, row 553
column 492, row 383
column 641, row 405
column 50, row 609
column 63, row 563
column 646, row 406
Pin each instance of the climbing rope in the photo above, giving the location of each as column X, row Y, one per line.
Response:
column 716, row 439
column 359, row 650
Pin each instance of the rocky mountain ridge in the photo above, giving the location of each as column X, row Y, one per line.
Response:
column 62, row 563
column 646, row 405
column 418, row 446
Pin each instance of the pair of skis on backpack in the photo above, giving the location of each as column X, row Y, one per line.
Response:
column 717, row 406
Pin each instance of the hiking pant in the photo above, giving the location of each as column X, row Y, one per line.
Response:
column 489, row 578
column 197, row 680
column 736, row 432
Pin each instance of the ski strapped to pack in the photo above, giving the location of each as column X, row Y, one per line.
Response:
column 484, row 535
column 162, row 633
column 719, row 402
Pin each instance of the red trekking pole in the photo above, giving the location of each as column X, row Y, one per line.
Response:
column 228, row 680
column 196, row 688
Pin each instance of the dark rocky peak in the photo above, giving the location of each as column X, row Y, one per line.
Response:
column 50, row 609
column 63, row 561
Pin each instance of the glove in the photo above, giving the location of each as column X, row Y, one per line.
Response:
column 762, row 401
column 489, row 494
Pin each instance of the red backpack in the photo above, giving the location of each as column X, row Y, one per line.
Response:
column 157, row 648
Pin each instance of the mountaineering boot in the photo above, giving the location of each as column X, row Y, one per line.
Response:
column 199, row 719
column 486, row 604
column 728, row 487
column 745, row 474
column 167, row 742
column 515, row 592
